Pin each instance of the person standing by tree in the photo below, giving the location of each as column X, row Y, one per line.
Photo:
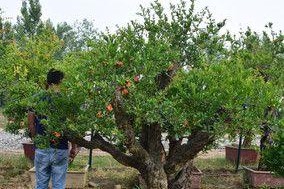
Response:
column 50, row 162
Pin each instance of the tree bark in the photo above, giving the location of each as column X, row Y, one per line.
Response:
column 151, row 140
column 99, row 142
column 155, row 176
column 186, row 152
column 124, row 122
column 164, row 78
column 182, row 178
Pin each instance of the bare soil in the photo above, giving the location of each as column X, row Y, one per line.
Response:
column 214, row 153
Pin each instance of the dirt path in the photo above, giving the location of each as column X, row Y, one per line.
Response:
column 212, row 154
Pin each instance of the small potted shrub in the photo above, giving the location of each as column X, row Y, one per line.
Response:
column 249, row 153
column 270, row 171
column 28, row 146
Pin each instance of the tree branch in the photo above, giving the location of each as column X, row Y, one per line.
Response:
column 196, row 142
column 173, row 146
column 164, row 78
column 99, row 142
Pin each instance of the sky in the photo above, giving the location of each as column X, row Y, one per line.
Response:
column 109, row 13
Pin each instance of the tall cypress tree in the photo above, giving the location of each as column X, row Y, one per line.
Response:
column 29, row 23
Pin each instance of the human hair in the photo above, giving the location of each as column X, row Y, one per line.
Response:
column 54, row 77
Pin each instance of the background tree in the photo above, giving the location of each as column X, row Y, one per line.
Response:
column 6, row 33
column 29, row 23
column 263, row 53
column 75, row 38
column 23, row 70
column 6, row 38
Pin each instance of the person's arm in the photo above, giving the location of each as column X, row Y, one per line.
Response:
column 31, row 123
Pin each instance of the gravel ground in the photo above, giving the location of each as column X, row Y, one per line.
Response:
column 11, row 142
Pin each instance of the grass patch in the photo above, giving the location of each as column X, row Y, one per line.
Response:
column 98, row 162
column 106, row 162
column 107, row 172
column 213, row 164
column 14, row 164
column 108, row 177
column 219, row 173
column 78, row 164
column 12, row 167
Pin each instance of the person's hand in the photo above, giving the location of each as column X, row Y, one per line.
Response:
column 72, row 154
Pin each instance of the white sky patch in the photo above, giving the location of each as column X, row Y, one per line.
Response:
column 109, row 13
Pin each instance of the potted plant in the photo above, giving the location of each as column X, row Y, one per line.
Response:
column 260, row 53
column 28, row 145
column 270, row 171
column 249, row 153
column 17, row 126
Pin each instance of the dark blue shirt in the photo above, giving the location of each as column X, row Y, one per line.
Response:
column 62, row 142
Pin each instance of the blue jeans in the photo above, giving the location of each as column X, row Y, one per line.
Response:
column 51, row 164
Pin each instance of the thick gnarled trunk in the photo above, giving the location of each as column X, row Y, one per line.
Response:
column 182, row 178
column 160, row 170
column 154, row 177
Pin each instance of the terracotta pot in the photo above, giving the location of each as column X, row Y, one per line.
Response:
column 258, row 179
column 29, row 150
column 247, row 156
